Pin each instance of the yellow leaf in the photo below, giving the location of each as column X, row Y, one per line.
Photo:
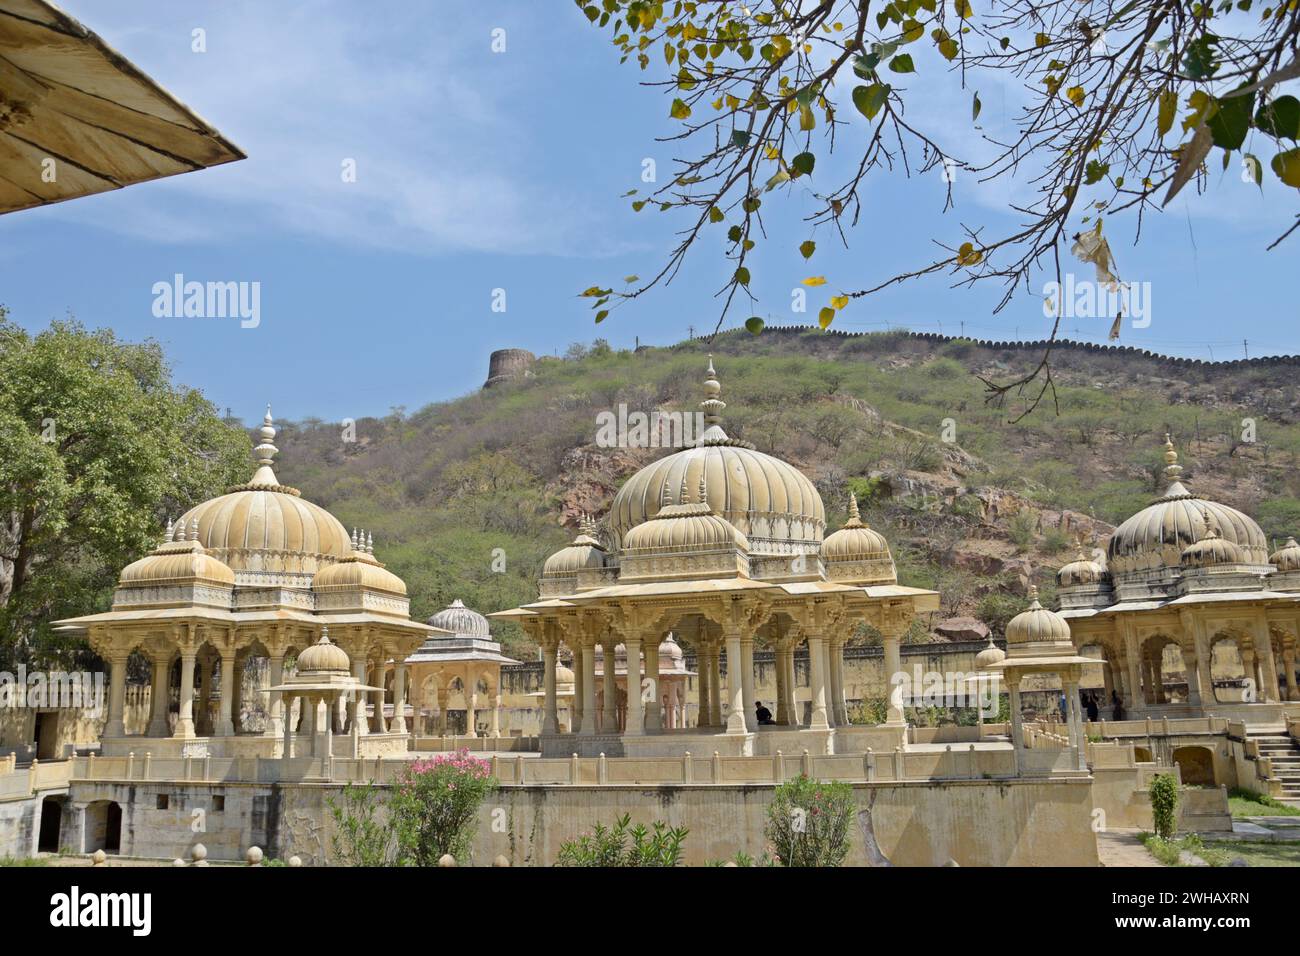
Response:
column 814, row 280
column 963, row 9
column 825, row 317
column 679, row 110
column 968, row 255
column 1168, row 109
column 1041, row 39
column 1075, row 93
column 839, row 301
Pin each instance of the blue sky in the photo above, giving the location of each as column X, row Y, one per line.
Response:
column 479, row 170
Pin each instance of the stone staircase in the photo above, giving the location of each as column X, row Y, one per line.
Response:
column 1282, row 751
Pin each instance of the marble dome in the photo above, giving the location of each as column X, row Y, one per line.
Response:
column 265, row 526
column 769, row 501
column 1154, row 539
column 461, row 621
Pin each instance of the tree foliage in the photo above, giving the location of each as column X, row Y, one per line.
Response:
column 1124, row 102
column 97, row 446
column 625, row 845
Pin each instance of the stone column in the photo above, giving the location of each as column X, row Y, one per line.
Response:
column 839, row 708
column 782, row 716
column 286, row 751
column 817, row 656
column 185, row 706
column 1192, row 668
column 158, row 697
column 494, row 727
column 588, row 650
column 471, row 701
column 442, row 704
column 1017, row 720
column 398, row 726
column 735, row 691
column 1204, row 657
column 1263, row 641
column 381, row 725
column 635, row 707
column 1288, row 662
column 575, row 708
column 715, row 677
column 893, row 667
column 608, row 717
column 550, row 721
column 791, row 703
column 703, row 686
column 225, row 726
column 116, row 725
column 1077, row 738
column 747, row 681
column 653, row 715
column 670, row 719
column 275, row 702
column 1134, row 657
column 358, row 714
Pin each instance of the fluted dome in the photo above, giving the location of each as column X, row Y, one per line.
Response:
column 684, row 530
column 990, row 655
column 1155, row 537
column 768, row 500
column 461, row 621
column 584, row 552
column 323, row 657
column 176, row 561
column 858, row 553
column 264, row 526
column 1081, row 571
column 358, row 570
column 1286, row 558
column 1211, row 551
column 1037, row 625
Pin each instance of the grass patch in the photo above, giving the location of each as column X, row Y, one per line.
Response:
column 1168, row 851
column 1247, row 803
column 1257, row 854
column 23, row 861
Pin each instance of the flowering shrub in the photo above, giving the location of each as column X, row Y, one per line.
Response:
column 434, row 805
column 808, row 822
column 361, row 836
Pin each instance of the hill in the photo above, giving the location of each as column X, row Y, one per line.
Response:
column 466, row 498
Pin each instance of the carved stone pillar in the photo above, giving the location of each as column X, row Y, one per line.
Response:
column 735, row 691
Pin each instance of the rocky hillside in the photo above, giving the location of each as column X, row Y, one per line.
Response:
column 466, row 498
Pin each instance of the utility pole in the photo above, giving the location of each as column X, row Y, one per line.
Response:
column 1245, row 351
column 690, row 331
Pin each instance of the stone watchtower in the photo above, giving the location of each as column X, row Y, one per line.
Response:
column 507, row 364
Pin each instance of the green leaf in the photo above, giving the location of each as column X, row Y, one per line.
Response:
column 1280, row 118
column 1095, row 172
column 1167, row 111
column 1231, row 121
column 715, row 214
column 754, row 324
column 975, row 107
column 734, row 234
column 679, row 110
column 742, row 276
column 825, row 317
column 902, row 63
column 869, row 99
column 739, row 138
column 807, row 248
column 600, row 316
column 1201, row 59
column 803, row 163
column 1287, row 167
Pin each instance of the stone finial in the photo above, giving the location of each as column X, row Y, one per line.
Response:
column 500, row 861
column 446, row 860
column 354, row 539
column 254, row 856
column 295, row 860
column 370, row 543
column 265, row 452
column 199, row 855
column 1173, row 470
column 194, row 528
column 713, row 405
column 99, row 858
column 167, row 535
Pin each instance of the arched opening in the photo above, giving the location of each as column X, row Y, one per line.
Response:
column 103, row 827
column 1227, row 671
column 1163, row 671
column 1196, row 765
column 1141, row 754
column 47, row 837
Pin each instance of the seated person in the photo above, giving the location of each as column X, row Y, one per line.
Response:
column 762, row 713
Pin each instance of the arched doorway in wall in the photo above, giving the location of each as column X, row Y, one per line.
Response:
column 1163, row 671
column 1227, row 670
column 103, row 827
column 47, row 837
column 1195, row 765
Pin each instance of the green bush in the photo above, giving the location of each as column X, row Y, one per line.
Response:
column 434, row 806
column 361, row 837
column 808, row 822
column 1164, row 805
column 625, row 845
